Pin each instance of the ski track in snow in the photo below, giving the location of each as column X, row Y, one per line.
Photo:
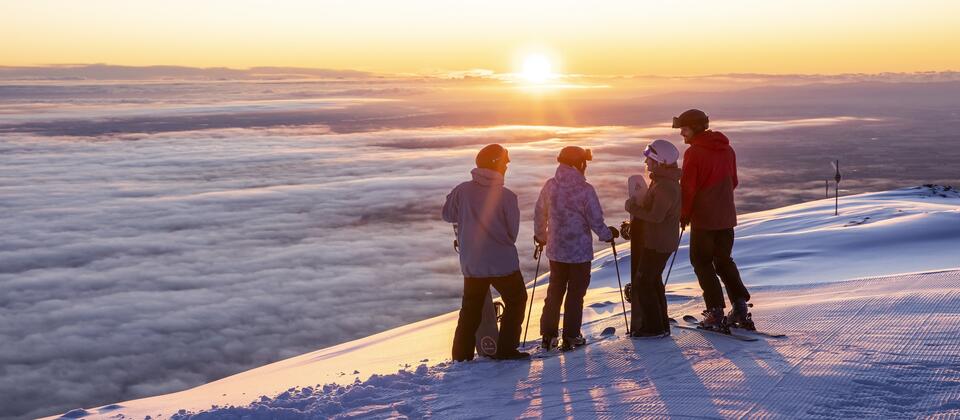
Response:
column 873, row 347
column 868, row 364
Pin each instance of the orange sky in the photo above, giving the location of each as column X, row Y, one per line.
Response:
column 611, row 37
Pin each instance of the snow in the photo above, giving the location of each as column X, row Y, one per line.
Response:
column 870, row 301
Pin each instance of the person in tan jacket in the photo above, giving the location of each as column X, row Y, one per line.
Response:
column 659, row 212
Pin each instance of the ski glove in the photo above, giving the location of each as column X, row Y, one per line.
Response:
column 614, row 232
column 625, row 230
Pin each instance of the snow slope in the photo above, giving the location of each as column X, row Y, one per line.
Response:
column 864, row 339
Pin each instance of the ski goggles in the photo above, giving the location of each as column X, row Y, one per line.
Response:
column 651, row 153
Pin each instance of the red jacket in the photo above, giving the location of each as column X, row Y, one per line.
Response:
column 709, row 178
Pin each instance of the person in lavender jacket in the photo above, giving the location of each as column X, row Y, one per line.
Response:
column 567, row 210
column 488, row 217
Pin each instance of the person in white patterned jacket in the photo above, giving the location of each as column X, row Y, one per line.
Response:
column 567, row 210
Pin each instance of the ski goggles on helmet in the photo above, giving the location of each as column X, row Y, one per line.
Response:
column 690, row 118
column 651, row 153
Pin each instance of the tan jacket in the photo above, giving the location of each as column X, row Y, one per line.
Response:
column 659, row 210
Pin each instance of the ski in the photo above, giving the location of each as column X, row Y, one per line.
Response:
column 763, row 333
column 731, row 335
column 608, row 332
column 693, row 320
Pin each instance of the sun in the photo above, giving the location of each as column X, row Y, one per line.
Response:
column 537, row 68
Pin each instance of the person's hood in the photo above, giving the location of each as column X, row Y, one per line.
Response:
column 568, row 176
column 665, row 172
column 710, row 139
column 487, row 177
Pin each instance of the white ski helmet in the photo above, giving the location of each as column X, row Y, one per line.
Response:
column 662, row 151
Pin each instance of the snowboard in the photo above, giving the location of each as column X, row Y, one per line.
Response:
column 636, row 190
column 488, row 332
column 636, row 187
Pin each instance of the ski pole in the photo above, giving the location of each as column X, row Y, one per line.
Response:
column 616, row 263
column 536, row 254
column 674, row 257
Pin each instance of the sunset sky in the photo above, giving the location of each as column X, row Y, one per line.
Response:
column 611, row 37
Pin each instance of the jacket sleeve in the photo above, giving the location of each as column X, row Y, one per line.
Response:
column 736, row 181
column 688, row 185
column 451, row 208
column 656, row 212
column 541, row 213
column 512, row 213
column 595, row 216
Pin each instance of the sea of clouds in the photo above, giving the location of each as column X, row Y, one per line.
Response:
column 155, row 245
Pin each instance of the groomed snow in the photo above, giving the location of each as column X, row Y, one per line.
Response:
column 865, row 340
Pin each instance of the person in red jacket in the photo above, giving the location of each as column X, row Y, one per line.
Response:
column 707, row 205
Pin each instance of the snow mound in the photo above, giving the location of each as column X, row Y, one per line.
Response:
column 906, row 230
column 380, row 395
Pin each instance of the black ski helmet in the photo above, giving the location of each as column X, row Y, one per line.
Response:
column 493, row 157
column 693, row 118
column 574, row 156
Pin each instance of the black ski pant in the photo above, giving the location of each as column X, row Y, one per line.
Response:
column 571, row 279
column 636, row 245
column 514, row 295
column 649, row 299
column 710, row 252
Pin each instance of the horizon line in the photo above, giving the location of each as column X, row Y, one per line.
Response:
column 472, row 73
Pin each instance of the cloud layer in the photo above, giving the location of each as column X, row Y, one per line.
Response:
column 135, row 263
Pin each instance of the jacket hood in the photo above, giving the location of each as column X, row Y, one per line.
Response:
column 487, row 177
column 665, row 173
column 567, row 176
column 711, row 139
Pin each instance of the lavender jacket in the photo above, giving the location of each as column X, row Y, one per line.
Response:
column 489, row 220
column 567, row 210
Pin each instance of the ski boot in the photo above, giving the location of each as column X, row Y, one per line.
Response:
column 512, row 355
column 739, row 316
column 570, row 343
column 714, row 320
column 549, row 343
column 644, row 334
